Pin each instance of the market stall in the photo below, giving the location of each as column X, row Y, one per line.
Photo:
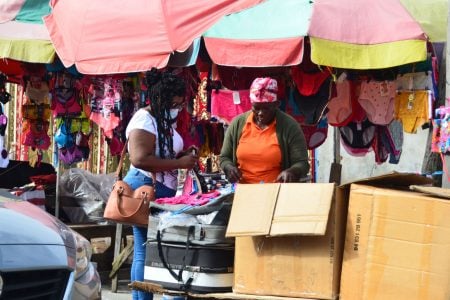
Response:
column 73, row 112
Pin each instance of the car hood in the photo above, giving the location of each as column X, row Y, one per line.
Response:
column 25, row 223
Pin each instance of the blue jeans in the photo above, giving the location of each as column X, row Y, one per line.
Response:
column 137, row 179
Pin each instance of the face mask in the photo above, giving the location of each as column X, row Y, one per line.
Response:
column 174, row 113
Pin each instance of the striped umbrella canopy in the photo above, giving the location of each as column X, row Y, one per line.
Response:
column 23, row 37
column 116, row 36
column 361, row 34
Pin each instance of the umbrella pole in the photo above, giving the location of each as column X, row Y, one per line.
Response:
column 336, row 167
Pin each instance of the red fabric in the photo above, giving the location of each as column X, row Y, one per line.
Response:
column 44, row 179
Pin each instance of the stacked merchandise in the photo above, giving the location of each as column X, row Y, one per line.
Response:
column 186, row 248
column 36, row 115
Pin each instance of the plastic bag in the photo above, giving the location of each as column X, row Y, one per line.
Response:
column 82, row 189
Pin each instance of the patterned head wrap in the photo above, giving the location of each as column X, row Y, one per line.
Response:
column 263, row 90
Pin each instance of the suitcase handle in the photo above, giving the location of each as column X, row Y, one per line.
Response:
column 178, row 277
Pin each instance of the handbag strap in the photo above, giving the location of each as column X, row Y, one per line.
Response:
column 120, row 165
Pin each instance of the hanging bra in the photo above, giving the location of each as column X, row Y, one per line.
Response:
column 311, row 108
column 63, row 106
column 36, row 111
column 63, row 136
column 37, row 95
column 70, row 155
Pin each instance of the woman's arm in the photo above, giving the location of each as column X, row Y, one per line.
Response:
column 141, row 147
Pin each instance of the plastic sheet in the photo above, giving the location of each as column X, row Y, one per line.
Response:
column 80, row 189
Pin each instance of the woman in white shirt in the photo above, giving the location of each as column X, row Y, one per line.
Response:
column 155, row 146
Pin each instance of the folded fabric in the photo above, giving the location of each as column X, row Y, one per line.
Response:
column 189, row 199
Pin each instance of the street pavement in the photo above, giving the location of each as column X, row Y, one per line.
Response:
column 123, row 292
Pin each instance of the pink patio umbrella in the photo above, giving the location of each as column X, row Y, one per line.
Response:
column 116, row 36
column 23, row 36
column 362, row 34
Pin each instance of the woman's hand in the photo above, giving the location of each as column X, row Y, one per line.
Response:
column 190, row 150
column 287, row 176
column 187, row 161
column 233, row 173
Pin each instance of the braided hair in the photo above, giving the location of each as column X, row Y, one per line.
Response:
column 161, row 88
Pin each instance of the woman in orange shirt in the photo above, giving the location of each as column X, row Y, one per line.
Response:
column 264, row 144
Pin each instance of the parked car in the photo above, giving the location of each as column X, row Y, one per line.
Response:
column 42, row 258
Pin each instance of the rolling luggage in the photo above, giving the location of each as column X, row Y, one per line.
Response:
column 193, row 268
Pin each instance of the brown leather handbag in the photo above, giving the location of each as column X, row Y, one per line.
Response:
column 128, row 206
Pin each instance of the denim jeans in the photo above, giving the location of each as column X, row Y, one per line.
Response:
column 136, row 179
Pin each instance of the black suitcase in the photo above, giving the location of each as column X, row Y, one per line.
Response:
column 193, row 268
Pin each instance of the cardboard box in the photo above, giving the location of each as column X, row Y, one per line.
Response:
column 397, row 242
column 289, row 239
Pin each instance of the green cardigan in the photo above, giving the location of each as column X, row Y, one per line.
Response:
column 292, row 142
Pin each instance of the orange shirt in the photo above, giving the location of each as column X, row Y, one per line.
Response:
column 258, row 153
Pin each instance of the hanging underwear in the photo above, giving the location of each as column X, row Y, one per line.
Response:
column 354, row 151
column 377, row 99
column 340, row 108
column 392, row 139
column 358, row 135
column 415, row 81
column 418, row 81
column 315, row 135
column 380, row 151
column 308, row 84
column 412, row 109
column 310, row 108
column 226, row 104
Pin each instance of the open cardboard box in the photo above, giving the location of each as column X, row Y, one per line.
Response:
column 290, row 237
column 287, row 240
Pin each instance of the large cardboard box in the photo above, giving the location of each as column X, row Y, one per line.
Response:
column 289, row 239
column 397, row 243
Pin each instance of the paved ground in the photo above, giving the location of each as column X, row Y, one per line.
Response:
column 123, row 292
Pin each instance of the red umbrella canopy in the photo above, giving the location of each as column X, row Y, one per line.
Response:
column 116, row 36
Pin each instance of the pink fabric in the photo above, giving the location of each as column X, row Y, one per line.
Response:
column 377, row 100
column 107, row 124
column 223, row 104
column 333, row 20
column 9, row 11
column 232, row 52
column 340, row 108
column 189, row 199
column 120, row 37
column 263, row 90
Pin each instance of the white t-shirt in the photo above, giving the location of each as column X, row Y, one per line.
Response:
column 142, row 119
